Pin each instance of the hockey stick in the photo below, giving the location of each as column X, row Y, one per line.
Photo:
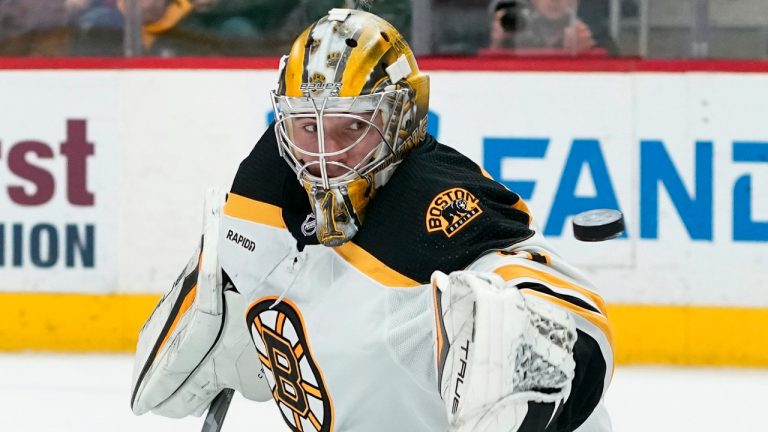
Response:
column 217, row 411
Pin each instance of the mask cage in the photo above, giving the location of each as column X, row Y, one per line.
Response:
column 303, row 158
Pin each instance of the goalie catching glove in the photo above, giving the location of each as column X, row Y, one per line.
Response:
column 497, row 350
column 195, row 343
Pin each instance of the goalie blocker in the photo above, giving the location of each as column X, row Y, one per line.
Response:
column 194, row 344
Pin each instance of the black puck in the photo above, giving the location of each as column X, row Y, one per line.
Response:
column 598, row 225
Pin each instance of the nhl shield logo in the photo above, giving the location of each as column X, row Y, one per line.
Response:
column 309, row 227
column 451, row 210
column 295, row 379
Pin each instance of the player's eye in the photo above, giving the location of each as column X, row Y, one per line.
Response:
column 310, row 127
column 356, row 126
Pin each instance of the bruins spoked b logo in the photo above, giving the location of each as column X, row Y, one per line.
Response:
column 296, row 381
column 451, row 210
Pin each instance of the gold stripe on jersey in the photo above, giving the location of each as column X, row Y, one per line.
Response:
column 514, row 271
column 372, row 267
column 240, row 207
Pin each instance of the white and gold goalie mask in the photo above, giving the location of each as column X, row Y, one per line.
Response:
column 351, row 103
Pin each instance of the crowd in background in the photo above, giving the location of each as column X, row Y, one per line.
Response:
column 577, row 28
column 266, row 27
column 166, row 27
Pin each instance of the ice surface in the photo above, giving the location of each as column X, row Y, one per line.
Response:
column 90, row 393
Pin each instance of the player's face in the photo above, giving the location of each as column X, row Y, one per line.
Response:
column 553, row 9
column 347, row 141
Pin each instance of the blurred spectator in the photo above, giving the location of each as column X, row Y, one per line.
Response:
column 169, row 27
column 33, row 28
column 551, row 25
column 257, row 27
column 227, row 27
column 209, row 27
column 97, row 27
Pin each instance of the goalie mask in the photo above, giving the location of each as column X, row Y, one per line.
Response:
column 351, row 103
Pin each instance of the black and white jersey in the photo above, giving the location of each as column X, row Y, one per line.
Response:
column 345, row 334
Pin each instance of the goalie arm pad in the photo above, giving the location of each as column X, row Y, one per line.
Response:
column 195, row 342
column 496, row 371
column 538, row 273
